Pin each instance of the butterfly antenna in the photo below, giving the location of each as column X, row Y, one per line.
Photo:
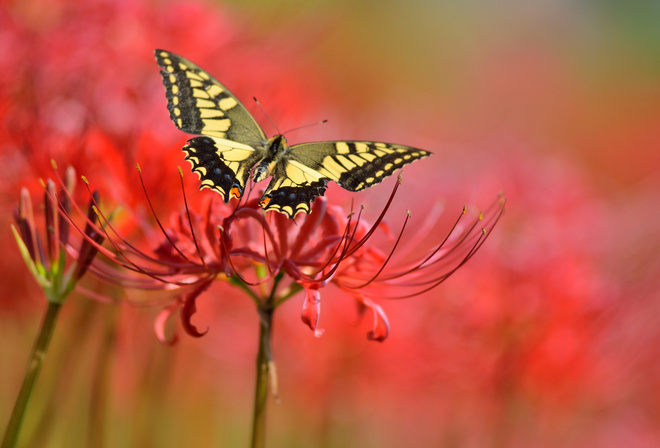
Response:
column 265, row 114
column 306, row 126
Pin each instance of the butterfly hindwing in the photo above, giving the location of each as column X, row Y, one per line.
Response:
column 199, row 104
column 293, row 188
column 222, row 165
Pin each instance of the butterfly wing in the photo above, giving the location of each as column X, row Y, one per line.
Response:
column 199, row 104
column 232, row 140
column 293, row 188
column 303, row 174
column 222, row 165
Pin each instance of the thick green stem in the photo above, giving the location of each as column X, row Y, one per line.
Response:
column 264, row 357
column 34, row 367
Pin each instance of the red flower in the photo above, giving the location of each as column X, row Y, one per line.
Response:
column 56, row 273
column 261, row 252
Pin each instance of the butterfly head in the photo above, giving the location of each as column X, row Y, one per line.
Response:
column 276, row 146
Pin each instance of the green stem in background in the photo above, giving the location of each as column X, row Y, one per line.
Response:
column 265, row 367
column 35, row 363
column 261, row 387
column 101, row 381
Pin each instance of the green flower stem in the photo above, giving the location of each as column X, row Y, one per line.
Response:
column 261, row 387
column 101, row 381
column 34, row 367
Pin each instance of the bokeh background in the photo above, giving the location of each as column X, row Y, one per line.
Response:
column 548, row 337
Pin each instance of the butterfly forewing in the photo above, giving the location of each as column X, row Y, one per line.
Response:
column 199, row 104
column 355, row 165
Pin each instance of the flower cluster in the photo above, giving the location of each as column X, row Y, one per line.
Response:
column 56, row 273
column 259, row 252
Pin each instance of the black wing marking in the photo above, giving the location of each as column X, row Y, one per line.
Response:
column 199, row 104
column 222, row 165
column 355, row 165
column 293, row 188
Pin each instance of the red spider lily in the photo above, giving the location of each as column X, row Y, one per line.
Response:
column 325, row 247
column 49, row 265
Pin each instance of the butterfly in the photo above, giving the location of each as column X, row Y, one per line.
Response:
column 231, row 146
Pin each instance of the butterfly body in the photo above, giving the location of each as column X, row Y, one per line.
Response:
column 276, row 150
column 232, row 146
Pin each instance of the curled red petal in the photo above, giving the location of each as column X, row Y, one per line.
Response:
column 161, row 322
column 381, row 326
column 311, row 309
column 189, row 308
